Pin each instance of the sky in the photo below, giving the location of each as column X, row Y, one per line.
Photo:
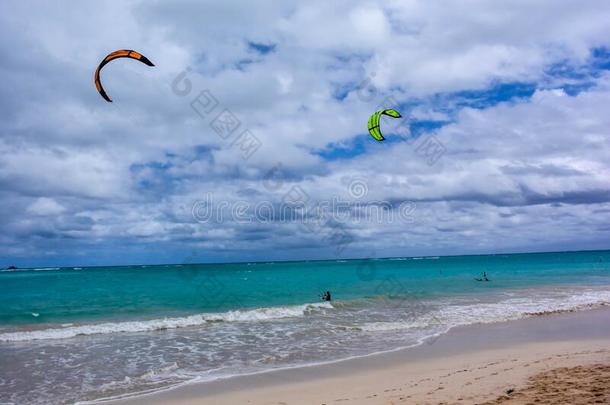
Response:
column 248, row 142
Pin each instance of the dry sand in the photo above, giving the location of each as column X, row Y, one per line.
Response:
column 556, row 359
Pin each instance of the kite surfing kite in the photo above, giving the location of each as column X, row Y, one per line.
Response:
column 123, row 53
column 374, row 129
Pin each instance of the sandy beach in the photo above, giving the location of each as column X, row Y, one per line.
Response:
column 549, row 359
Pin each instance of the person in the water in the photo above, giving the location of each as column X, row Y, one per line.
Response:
column 326, row 296
column 484, row 278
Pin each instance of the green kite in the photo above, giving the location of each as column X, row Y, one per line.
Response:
column 374, row 122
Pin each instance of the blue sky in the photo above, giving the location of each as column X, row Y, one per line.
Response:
column 512, row 97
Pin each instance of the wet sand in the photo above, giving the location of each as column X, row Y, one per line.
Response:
column 557, row 358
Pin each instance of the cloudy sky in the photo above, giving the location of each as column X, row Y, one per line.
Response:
column 255, row 108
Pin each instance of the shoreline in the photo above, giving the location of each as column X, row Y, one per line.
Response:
column 554, row 337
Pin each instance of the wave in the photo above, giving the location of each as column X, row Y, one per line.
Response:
column 444, row 319
column 252, row 315
column 452, row 313
column 566, row 311
column 452, row 316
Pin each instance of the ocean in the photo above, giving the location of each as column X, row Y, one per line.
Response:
column 86, row 334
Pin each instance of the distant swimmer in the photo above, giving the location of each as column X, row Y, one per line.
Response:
column 484, row 278
column 325, row 296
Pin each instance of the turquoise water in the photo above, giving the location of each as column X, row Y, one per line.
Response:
column 134, row 292
column 83, row 334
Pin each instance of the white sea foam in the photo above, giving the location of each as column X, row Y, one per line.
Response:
column 258, row 314
column 515, row 308
column 451, row 316
column 388, row 326
column 248, row 351
column 33, row 269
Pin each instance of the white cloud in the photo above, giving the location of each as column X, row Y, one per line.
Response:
column 45, row 206
column 133, row 168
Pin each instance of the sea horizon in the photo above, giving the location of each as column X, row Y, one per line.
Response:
column 300, row 260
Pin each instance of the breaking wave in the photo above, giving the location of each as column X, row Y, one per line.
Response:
column 258, row 314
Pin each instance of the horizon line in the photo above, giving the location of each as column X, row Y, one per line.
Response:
column 317, row 260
